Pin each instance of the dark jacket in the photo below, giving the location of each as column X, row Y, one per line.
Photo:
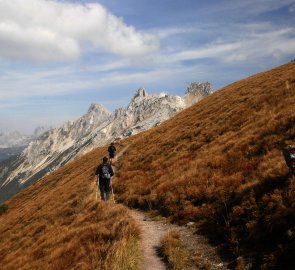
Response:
column 99, row 170
column 112, row 149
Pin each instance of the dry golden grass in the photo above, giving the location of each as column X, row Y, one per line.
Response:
column 219, row 163
column 57, row 224
column 174, row 251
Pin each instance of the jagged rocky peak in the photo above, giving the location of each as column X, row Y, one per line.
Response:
column 97, row 108
column 199, row 89
column 40, row 130
column 140, row 93
column 95, row 128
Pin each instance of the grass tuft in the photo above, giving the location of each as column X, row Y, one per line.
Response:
column 174, row 251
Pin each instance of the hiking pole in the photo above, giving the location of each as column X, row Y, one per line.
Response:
column 96, row 192
column 96, row 187
column 113, row 193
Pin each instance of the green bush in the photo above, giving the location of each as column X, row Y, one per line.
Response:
column 3, row 208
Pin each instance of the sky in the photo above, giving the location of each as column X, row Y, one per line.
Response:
column 59, row 56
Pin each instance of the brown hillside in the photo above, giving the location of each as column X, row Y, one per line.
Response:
column 57, row 224
column 219, row 163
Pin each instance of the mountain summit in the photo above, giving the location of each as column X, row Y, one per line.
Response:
column 140, row 93
column 97, row 127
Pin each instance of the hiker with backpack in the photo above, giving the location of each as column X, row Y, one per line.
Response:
column 104, row 172
column 112, row 152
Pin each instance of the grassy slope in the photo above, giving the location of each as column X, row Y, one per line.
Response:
column 219, row 163
column 57, row 224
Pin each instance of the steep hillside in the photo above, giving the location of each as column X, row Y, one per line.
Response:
column 219, row 163
column 57, row 224
column 96, row 128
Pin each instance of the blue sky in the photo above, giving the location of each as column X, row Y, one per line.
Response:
column 58, row 57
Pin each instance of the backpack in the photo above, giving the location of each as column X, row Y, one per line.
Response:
column 112, row 149
column 105, row 174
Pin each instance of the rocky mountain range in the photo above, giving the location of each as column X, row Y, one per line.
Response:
column 13, row 143
column 96, row 128
column 17, row 139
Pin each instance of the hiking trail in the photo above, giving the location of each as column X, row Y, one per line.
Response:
column 154, row 228
column 152, row 233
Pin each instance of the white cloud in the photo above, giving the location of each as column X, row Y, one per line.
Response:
column 210, row 51
column 274, row 44
column 163, row 33
column 251, row 42
column 18, row 85
column 51, row 30
column 157, row 74
column 247, row 8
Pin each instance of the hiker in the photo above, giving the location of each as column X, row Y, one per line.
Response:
column 112, row 152
column 289, row 155
column 104, row 172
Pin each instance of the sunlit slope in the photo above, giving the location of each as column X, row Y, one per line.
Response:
column 57, row 224
column 219, row 162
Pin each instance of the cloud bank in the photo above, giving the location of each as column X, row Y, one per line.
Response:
column 257, row 41
column 47, row 30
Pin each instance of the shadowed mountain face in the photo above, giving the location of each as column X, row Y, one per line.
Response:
column 219, row 163
column 6, row 153
column 97, row 127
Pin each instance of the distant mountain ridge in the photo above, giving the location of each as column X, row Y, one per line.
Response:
column 97, row 127
column 14, row 139
column 13, row 143
column 17, row 139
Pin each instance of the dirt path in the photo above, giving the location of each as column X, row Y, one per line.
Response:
column 152, row 231
column 151, row 236
column 206, row 256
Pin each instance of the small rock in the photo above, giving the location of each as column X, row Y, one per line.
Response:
column 190, row 224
